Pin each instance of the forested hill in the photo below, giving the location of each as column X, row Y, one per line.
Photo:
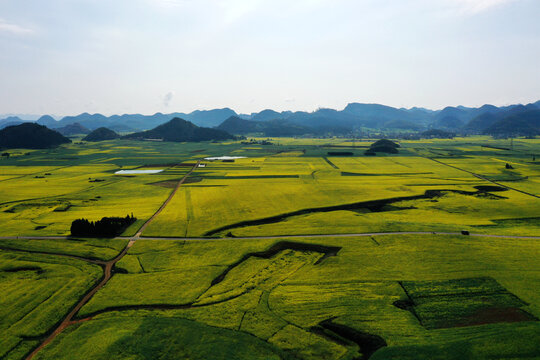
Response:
column 30, row 136
column 181, row 130
column 101, row 134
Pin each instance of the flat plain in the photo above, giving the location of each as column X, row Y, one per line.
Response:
column 286, row 253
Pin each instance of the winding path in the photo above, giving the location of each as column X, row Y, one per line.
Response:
column 68, row 320
column 107, row 266
column 107, row 273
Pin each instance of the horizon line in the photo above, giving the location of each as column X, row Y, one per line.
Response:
column 108, row 114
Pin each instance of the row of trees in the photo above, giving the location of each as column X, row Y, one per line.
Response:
column 106, row 227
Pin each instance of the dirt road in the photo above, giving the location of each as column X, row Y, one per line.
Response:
column 107, row 273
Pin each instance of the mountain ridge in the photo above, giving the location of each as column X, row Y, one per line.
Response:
column 324, row 120
column 180, row 130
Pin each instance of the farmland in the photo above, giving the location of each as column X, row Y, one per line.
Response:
column 286, row 253
column 246, row 197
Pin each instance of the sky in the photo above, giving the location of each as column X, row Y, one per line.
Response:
column 65, row 57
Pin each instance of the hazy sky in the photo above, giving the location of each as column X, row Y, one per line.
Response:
column 125, row 56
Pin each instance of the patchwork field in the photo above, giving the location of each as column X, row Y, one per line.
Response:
column 419, row 296
column 297, row 195
column 40, row 283
column 273, row 255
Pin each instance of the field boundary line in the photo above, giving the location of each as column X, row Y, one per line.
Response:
column 166, row 202
column 263, row 237
column 483, row 178
column 342, row 235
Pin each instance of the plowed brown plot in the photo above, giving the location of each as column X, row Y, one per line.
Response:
column 462, row 302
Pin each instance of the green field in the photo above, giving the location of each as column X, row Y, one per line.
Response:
column 246, row 195
column 274, row 256
column 283, row 299
column 38, row 289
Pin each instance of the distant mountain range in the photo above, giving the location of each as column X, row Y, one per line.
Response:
column 180, row 130
column 72, row 129
column 276, row 127
column 30, row 135
column 487, row 119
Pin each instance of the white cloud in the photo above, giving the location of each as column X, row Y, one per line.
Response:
column 168, row 98
column 168, row 3
column 476, row 6
column 6, row 27
column 234, row 10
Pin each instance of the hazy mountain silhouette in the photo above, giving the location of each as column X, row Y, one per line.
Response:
column 375, row 115
column 91, row 121
column 208, row 118
column 481, row 123
column 48, row 121
column 10, row 121
column 524, row 123
column 268, row 114
column 276, row 127
column 235, row 125
column 281, row 127
column 72, row 129
column 131, row 122
column 322, row 121
column 449, row 122
column 181, row 130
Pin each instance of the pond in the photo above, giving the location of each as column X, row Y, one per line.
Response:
column 225, row 158
column 125, row 172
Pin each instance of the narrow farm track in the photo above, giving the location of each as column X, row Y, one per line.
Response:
column 138, row 234
column 483, row 178
column 107, row 274
column 343, row 236
column 287, row 236
column 68, row 320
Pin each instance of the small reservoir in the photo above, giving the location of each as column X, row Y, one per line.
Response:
column 225, row 158
column 129, row 172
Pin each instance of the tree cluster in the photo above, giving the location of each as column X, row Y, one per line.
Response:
column 180, row 130
column 340, row 153
column 383, row 145
column 101, row 134
column 106, row 227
